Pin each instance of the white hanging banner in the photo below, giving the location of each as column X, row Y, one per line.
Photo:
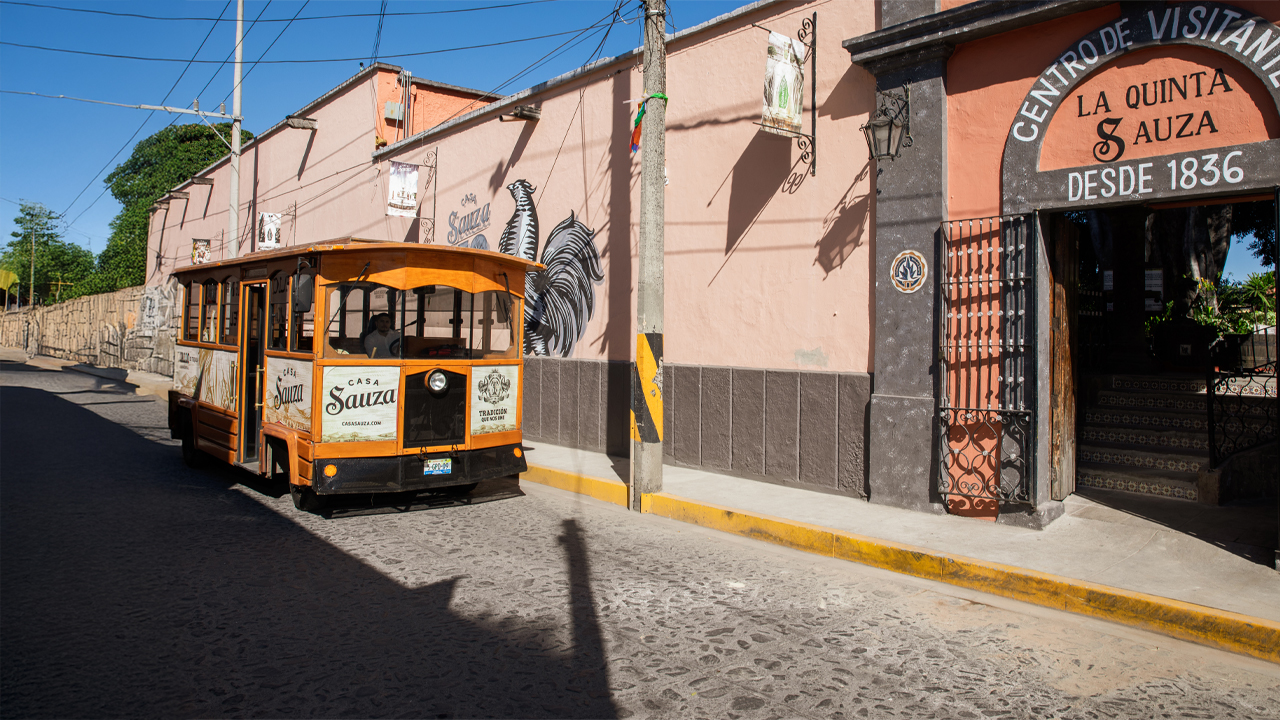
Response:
column 403, row 198
column 784, row 85
column 200, row 251
column 268, row 231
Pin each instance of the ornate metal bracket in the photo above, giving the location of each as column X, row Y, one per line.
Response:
column 897, row 107
column 428, row 225
column 808, row 144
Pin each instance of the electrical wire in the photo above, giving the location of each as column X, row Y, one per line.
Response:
column 264, row 52
column 377, row 36
column 135, row 132
column 617, row 9
column 248, row 30
column 270, row 20
column 301, row 61
column 232, row 54
column 534, row 65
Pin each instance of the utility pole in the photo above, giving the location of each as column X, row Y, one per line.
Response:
column 233, row 214
column 31, row 286
column 646, row 381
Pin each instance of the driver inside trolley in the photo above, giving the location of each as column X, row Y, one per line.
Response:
column 380, row 340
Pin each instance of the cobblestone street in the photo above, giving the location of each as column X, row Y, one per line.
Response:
column 135, row 587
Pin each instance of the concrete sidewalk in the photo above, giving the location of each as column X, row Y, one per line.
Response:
column 144, row 383
column 1170, row 566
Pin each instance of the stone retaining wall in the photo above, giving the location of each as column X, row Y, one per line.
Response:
column 133, row 328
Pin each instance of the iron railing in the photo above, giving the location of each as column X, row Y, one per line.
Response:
column 987, row 356
column 1242, row 402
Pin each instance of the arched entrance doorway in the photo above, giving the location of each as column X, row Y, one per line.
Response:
column 1119, row 174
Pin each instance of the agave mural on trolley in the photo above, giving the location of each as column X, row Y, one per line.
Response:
column 559, row 299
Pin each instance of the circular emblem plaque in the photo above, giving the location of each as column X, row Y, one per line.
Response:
column 908, row 271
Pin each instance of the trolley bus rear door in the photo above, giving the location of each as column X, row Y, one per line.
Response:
column 252, row 359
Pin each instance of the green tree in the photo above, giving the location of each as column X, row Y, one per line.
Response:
column 1259, row 220
column 158, row 164
column 57, row 262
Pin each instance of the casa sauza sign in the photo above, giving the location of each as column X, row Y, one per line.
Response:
column 1164, row 101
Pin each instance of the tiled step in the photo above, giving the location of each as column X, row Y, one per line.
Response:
column 1147, row 383
column 1162, row 483
column 1151, row 401
column 1142, row 459
column 1250, row 387
column 1146, row 419
column 1189, row 443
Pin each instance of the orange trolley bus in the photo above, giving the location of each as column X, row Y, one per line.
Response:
column 351, row 366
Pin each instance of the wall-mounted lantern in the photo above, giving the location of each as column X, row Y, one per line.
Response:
column 890, row 129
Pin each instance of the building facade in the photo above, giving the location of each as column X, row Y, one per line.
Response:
column 897, row 330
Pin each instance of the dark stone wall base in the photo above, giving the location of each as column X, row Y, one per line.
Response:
column 903, row 470
column 803, row 429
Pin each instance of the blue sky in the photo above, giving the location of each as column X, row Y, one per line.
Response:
column 52, row 151
column 57, row 151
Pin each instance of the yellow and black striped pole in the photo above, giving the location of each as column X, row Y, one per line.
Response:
column 646, row 375
column 646, row 390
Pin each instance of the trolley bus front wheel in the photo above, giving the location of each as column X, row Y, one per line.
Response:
column 305, row 499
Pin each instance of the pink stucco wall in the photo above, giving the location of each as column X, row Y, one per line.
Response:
column 323, row 182
column 766, row 266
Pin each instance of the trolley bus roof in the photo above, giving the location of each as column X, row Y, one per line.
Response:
column 359, row 245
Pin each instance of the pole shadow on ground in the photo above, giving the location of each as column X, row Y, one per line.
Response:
column 135, row 587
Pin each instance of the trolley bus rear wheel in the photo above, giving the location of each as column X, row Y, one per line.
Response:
column 191, row 455
column 305, row 499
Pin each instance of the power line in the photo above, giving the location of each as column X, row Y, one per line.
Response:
column 556, row 52
column 313, row 17
column 582, row 93
column 135, row 132
column 232, row 53
column 377, row 36
column 171, row 89
column 302, row 61
column 264, row 52
column 115, row 104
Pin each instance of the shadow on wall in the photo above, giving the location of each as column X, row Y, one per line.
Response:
column 317, row 632
column 845, row 227
column 413, row 234
column 498, row 179
column 615, row 342
column 759, row 173
column 852, row 96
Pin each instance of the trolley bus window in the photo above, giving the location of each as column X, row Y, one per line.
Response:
column 209, row 312
column 191, row 327
column 230, row 311
column 494, row 334
column 303, row 326
column 444, row 322
column 278, row 329
column 351, row 309
column 436, row 323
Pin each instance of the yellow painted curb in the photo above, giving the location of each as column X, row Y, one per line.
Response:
column 611, row 491
column 1218, row 628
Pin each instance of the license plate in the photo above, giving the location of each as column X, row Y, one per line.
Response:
column 438, row 466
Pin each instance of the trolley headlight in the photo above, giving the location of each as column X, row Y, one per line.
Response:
column 437, row 382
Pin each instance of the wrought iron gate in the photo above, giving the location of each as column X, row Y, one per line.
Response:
column 987, row 355
column 1241, row 394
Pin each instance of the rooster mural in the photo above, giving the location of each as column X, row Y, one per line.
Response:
column 560, row 299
